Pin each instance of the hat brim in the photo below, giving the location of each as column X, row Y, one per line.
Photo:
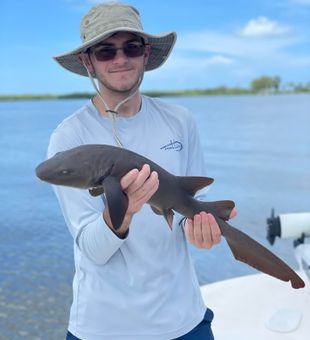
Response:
column 161, row 47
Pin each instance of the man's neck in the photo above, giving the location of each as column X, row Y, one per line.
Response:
column 128, row 109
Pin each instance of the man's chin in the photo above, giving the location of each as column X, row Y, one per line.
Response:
column 124, row 88
column 122, row 85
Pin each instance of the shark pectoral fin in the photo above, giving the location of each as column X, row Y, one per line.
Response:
column 247, row 250
column 191, row 184
column 116, row 199
column 168, row 214
column 96, row 191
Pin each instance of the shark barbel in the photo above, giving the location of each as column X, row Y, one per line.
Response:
column 99, row 169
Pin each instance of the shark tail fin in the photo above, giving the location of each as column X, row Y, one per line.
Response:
column 247, row 250
column 191, row 184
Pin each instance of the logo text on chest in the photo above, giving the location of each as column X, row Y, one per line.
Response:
column 173, row 145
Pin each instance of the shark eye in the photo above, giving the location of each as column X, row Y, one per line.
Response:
column 65, row 172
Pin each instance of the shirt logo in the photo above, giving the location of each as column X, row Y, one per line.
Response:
column 173, row 145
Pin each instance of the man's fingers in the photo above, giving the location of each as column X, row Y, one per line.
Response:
column 151, row 185
column 215, row 230
column 129, row 178
column 142, row 176
column 197, row 230
column 202, row 231
column 139, row 186
column 206, row 230
column 189, row 230
column 147, row 190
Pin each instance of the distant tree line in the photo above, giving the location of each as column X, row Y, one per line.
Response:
column 266, row 83
column 261, row 85
column 273, row 84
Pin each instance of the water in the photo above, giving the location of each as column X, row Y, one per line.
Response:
column 256, row 147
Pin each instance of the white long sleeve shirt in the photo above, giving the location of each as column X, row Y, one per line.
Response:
column 143, row 286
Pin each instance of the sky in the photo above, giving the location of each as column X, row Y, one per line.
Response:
column 220, row 43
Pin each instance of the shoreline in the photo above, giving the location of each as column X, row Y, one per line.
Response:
column 222, row 91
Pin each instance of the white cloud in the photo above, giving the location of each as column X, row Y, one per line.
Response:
column 263, row 26
column 211, row 58
column 218, row 60
column 233, row 45
column 183, row 71
column 196, row 64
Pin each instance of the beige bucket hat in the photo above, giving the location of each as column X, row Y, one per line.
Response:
column 105, row 19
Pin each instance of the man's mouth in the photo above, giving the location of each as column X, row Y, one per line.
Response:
column 121, row 70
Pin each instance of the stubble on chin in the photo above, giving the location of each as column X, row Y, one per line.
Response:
column 121, row 86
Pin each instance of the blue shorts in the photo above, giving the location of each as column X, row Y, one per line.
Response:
column 201, row 332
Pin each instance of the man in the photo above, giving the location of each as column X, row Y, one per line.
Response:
column 137, row 282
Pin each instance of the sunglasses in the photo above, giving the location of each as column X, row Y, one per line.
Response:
column 131, row 50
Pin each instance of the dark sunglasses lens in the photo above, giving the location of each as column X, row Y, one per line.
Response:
column 133, row 50
column 105, row 53
column 108, row 53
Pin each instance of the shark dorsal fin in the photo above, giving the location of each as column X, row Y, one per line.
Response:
column 191, row 184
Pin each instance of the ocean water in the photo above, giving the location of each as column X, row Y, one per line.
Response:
column 256, row 147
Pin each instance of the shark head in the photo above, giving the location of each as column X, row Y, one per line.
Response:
column 73, row 168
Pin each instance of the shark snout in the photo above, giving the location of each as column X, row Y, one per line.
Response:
column 41, row 172
column 49, row 171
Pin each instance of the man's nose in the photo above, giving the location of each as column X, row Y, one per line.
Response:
column 120, row 55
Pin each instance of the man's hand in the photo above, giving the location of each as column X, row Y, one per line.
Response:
column 203, row 231
column 139, row 187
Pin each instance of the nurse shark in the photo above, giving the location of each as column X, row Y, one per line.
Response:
column 99, row 168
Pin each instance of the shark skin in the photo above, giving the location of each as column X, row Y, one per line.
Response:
column 99, row 168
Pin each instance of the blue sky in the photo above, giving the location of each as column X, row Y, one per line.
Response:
column 219, row 43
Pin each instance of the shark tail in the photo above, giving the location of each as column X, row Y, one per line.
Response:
column 247, row 250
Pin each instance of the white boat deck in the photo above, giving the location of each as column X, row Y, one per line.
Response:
column 257, row 307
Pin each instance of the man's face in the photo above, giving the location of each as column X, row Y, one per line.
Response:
column 122, row 73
